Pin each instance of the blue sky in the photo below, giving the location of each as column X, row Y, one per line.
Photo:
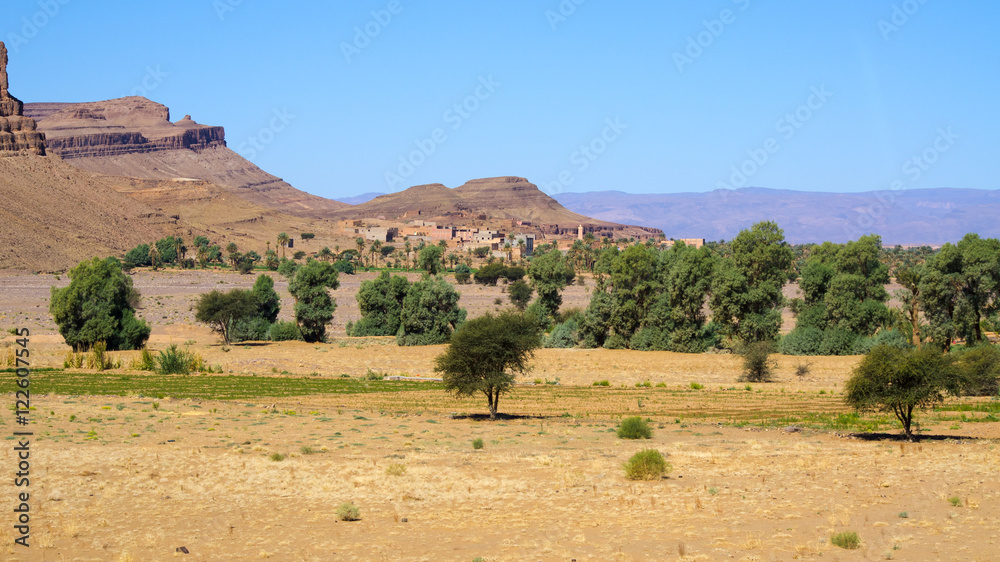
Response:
column 575, row 95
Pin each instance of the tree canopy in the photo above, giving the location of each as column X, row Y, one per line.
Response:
column 99, row 306
column 430, row 313
column 899, row 381
column 314, row 306
column 487, row 353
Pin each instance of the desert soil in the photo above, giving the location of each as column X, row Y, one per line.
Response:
column 137, row 477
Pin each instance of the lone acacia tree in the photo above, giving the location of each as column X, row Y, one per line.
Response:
column 897, row 380
column 487, row 353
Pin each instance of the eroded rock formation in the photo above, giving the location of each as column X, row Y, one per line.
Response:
column 18, row 134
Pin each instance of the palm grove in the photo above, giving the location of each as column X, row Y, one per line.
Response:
column 645, row 297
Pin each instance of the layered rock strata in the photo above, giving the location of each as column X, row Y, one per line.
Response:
column 18, row 134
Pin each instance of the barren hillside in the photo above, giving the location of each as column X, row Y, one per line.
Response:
column 134, row 137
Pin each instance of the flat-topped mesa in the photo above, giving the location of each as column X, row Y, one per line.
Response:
column 132, row 125
column 18, row 134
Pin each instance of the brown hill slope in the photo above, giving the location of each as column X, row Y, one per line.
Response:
column 133, row 137
column 498, row 198
column 53, row 215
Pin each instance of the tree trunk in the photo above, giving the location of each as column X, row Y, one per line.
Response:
column 915, row 322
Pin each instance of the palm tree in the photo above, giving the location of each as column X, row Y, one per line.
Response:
column 282, row 241
column 376, row 249
column 406, row 261
column 179, row 248
column 232, row 250
column 154, row 255
column 325, row 254
column 361, row 249
column 202, row 256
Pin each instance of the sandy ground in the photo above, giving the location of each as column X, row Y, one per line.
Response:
column 122, row 478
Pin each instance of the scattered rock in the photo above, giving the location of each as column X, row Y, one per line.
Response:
column 792, row 429
column 182, row 549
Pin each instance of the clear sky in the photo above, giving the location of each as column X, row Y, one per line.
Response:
column 575, row 95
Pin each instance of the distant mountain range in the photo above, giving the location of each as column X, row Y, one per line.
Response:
column 359, row 199
column 913, row 217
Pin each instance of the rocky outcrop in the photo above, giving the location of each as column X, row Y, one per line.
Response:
column 131, row 125
column 134, row 137
column 18, row 134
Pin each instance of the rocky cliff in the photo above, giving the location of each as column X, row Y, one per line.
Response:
column 18, row 134
column 134, row 137
column 131, row 125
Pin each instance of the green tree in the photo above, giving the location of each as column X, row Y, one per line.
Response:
column 634, row 284
column 519, row 293
column 314, row 306
column 139, row 256
column 430, row 313
column 267, row 303
column 430, row 259
column 487, row 353
column 381, row 304
column 746, row 289
column 899, row 381
column 98, row 305
column 961, row 288
column 221, row 310
column 549, row 274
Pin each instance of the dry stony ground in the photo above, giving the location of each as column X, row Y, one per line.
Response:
column 136, row 477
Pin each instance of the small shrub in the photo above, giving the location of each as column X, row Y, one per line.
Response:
column 757, row 363
column 661, row 385
column 373, row 376
column 634, row 428
column 803, row 340
column 348, row 512
column 277, row 457
column 904, row 514
column 145, row 361
column 72, row 361
column 306, row 450
column 802, row 369
column 156, row 405
column 847, row 539
column 838, row 342
column 477, row 443
column 647, row 464
column 284, row 331
column 955, row 501
column 696, row 386
column 396, row 469
column 99, row 358
column 602, row 383
column 174, row 361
